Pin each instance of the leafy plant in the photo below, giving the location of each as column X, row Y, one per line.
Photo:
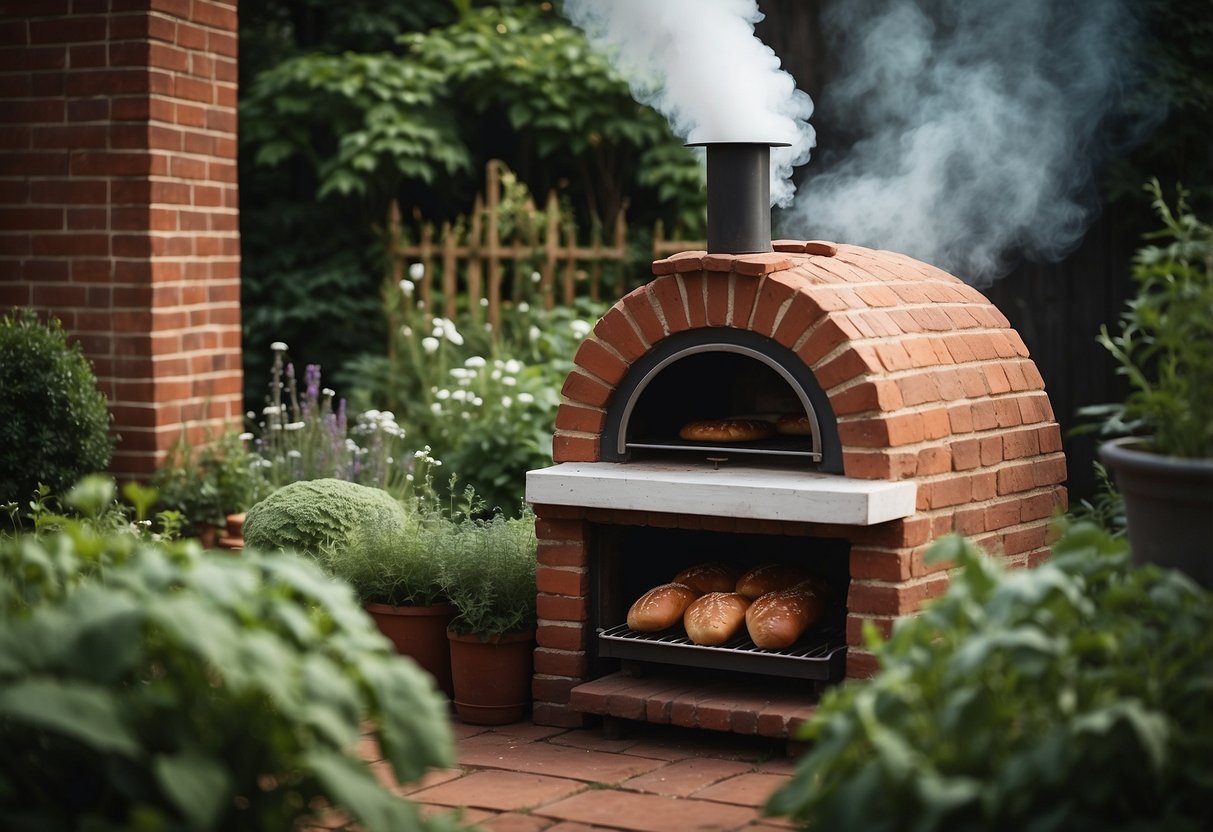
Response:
column 1076, row 695
column 53, row 420
column 488, row 571
column 1164, row 345
column 207, row 484
column 153, row 686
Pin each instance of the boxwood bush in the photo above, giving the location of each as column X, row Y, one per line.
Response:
column 53, row 420
column 1076, row 695
column 157, row 686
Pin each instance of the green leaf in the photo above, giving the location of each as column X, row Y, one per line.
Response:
column 352, row 787
column 414, row 731
column 88, row 713
column 197, row 783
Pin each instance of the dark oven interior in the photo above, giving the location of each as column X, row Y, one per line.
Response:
column 627, row 561
column 719, row 374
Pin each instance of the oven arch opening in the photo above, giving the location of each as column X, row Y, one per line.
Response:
column 718, row 373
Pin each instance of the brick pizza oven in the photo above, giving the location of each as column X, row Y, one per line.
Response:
column 928, row 416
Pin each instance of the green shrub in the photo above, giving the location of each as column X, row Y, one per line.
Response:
column 207, row 484
column 53, row 420
column 1076, row 695
column 149, row 686
column 320, row 517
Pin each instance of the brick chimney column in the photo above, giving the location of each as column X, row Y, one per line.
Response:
column 119, row 203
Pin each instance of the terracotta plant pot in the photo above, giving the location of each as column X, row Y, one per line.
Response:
column 233, row 536
column 492, row 678
column 1168, row 506
column 420, row 634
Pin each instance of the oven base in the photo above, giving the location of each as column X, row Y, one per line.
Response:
column 701, row 699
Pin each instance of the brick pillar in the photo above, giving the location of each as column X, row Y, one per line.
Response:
column 119, row 203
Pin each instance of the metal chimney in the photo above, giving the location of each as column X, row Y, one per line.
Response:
column 739, row 196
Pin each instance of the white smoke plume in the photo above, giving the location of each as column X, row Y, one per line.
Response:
column 978, row 125
column 698, row 63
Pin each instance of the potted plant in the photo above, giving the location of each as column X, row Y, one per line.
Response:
column 488, row 573
column 1164, row 347
column 365, row 537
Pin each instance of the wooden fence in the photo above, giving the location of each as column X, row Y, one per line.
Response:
column 471, row 257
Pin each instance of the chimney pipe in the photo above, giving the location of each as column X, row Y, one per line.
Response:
column 739, row 196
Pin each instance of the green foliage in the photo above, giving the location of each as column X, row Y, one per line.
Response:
column 53, row 420
column 482, row 402
column 1076, row 695
column 1164, row 345
column 147, row 686
column 488, row 571
column 321, row 517
column 363, row 121
column 204, row 485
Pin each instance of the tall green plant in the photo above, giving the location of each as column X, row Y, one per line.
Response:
column 1075, row 695
column 488, row 572
column 1164, row 344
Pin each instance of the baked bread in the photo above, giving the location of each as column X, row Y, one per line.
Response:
column 794, row 424
column 715, row 618
column 727, row 430
column 778, row 619
column 660, row 608
column 770, row 577
column 709, row 577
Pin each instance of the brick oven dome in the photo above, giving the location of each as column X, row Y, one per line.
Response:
column 919, row 368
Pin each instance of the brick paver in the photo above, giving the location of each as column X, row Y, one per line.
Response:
column 686, row 777
column 503, row 791
column 647, row 812
column 744, row 790
column 545, row 758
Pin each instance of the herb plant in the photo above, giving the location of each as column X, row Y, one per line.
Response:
column 1164, row 345
column 488, row 572
column 156, row 686
column 1075, row 695
column 54, row 421
column 207, row 484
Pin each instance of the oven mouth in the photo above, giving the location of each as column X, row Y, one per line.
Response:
column 715, row 373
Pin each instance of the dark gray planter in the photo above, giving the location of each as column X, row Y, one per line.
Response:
column 1168, row 505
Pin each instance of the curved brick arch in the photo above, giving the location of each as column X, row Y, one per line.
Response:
column 926, row 377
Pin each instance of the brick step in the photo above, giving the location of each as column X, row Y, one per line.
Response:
column 701, row 699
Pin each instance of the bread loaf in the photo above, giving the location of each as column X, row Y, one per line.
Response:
column 794, row 424
column 661, row 607
column 727, row 430
column 715, row 618
column 778, row 619
column 709, row 577
column 770, row 577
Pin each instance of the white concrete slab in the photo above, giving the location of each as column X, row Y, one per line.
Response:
column 733, row 490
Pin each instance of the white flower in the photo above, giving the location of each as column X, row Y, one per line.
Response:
column 536, row 277
column 509, row 381
column 278, row 346
column 407, row 287
column 533, row 333
column 245, row 437
column 460, row 395
column 477, row 401
column 488, row 327
column 580, row 328
column 251, row 415
column 408, row 477
column 513, row 366
column 484, row 301
column 475, row 362
column 461, row 373
column 293, row 454
column 271, row 410
column 351, row 445
column 265, row 463
column 524, row 307
column 436, row 409
column 526, row 398
column 417, row 271
column 329, row 391
column 430, row 345
column 296, row 425
column 387, row 416
column 443, row 395
column 506, row 401
column 466, row 416
column 406, row 331
column 495, row 375
column 371, row 415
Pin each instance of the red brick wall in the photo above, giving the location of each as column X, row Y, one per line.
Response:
column 119, row 203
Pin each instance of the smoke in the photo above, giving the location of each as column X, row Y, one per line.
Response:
column 979, row 124
column 698, row 63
